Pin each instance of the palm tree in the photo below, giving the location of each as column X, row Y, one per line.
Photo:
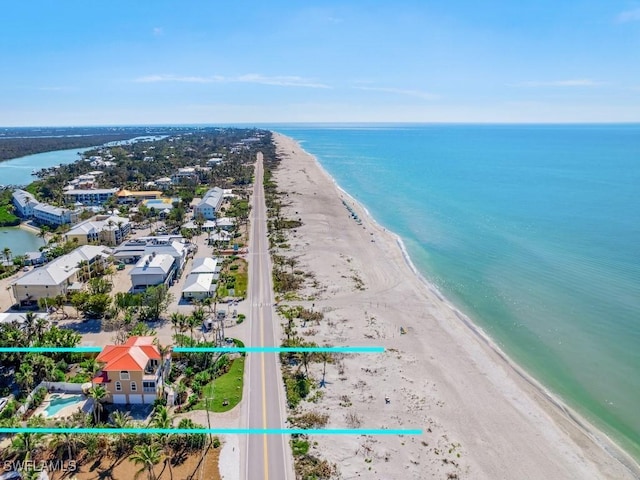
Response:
column 197, row 318
column 91, row 367
column 98, row 393
column 29, row 324
column 162, row 419
column 324, row 357
column 59, row 301
column 120, row 420
column 148, row 456
column 40, row 327
column 7, row 253
column 25, row 443
column 67, row 440
column 175, row 321
column 25, row 377
column 44, row 230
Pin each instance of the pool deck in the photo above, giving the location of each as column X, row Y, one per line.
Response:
column 83, row 405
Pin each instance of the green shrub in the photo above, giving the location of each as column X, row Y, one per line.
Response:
column 299, row 447
column 38, row 397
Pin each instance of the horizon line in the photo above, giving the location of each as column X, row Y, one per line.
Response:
column 284, row 123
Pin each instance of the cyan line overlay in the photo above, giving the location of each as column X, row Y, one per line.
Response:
column 203, row 349
column 50, row 349
column 279, row 349
column 217, row 431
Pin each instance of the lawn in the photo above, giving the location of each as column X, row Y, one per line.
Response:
column 241, row 276
column 8, row 219
column 226, row 387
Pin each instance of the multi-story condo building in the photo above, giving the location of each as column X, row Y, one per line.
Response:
column 210, row 204
column 129, row 196
column 28, row 207
column 104, row 229
column 61, row 276
column 95, row 197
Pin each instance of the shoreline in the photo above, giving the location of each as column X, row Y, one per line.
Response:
column 29, row 228
column 560, row 414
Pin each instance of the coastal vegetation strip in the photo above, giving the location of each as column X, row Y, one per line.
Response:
column 7, row 215
column 19, row 147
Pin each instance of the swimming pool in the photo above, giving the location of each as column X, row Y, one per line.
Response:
column 161, row 203
column 58, row 402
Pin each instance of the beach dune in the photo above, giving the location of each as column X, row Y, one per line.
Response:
column 482, row 416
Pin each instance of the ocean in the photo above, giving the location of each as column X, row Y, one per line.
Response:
column 533, row 231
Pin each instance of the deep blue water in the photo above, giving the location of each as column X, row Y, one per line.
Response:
column 532, row 230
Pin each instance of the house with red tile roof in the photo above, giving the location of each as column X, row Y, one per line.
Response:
column 133, row 373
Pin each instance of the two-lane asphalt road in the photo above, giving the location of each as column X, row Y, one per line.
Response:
column 266, row 456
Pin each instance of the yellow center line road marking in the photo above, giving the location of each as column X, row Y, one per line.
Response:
column 265, row 447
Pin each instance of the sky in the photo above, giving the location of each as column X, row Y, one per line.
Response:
column 191, row 62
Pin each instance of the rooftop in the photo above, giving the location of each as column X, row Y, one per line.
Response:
column 62, row 268
column 132, row 356
column 153, row 264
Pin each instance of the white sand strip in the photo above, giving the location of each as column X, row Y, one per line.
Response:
column 483, row 417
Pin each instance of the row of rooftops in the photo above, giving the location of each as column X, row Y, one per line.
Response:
column 25, row 200
column 60, row 269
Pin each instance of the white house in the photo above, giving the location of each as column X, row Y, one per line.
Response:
column 210, row 204
column 201, row 282
column 186, row 174
column 153, row 270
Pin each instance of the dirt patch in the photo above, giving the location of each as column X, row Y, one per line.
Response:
column 192, row 467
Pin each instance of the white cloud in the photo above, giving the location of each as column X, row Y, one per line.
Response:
column 174, row 79
column 629, row 16
column 583, row 82
column 281, row 81
column 402, row 91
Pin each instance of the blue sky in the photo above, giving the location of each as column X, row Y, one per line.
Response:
column 92, row 63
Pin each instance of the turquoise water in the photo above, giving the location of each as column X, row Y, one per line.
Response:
column 533, row 231
column 58, row 403
column 19, row 241
column 18, row 171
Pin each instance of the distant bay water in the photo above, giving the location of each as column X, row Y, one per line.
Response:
column 531, row 230
column 18, row 171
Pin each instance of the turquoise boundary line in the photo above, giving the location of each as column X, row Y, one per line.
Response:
column 218, row 431
column 203, row 349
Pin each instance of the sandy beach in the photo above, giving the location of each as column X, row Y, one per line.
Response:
column 482, row 416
